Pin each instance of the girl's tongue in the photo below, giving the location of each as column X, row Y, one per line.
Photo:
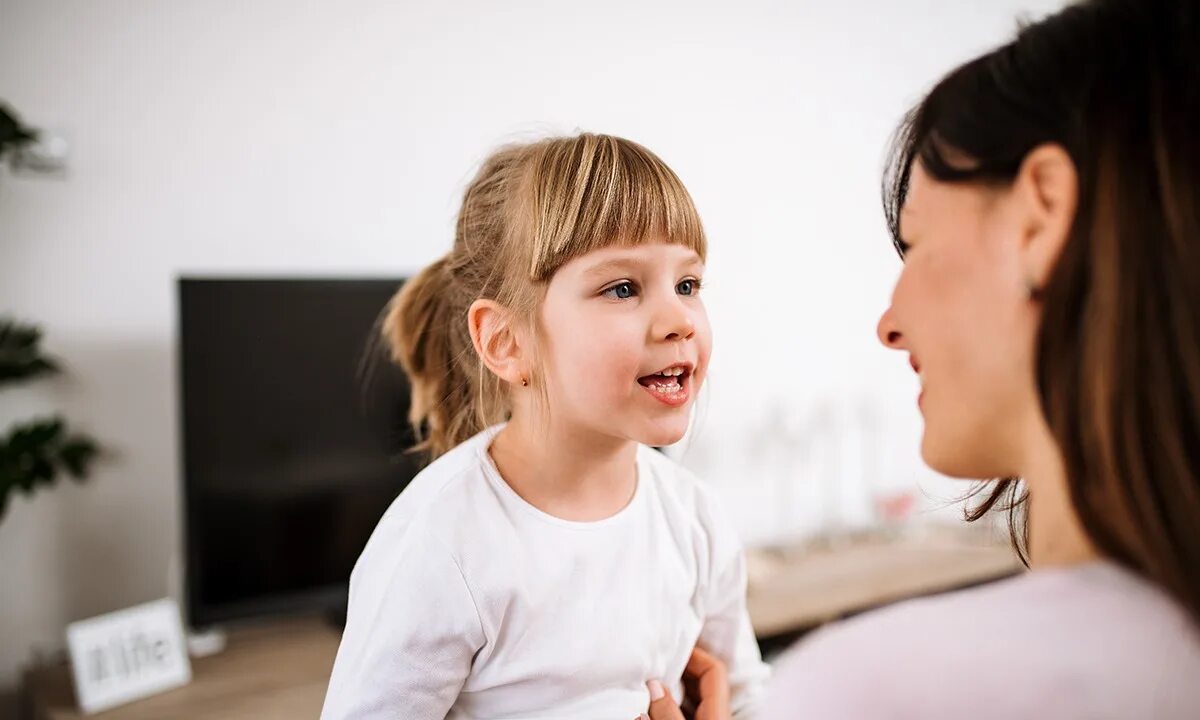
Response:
column 661, row 383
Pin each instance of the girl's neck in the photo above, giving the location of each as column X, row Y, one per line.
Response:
column 570, row 473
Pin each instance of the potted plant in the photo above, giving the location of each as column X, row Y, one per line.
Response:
column 34, row 453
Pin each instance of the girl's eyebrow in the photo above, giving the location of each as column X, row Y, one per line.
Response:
column 612, row 267
column 620, row 266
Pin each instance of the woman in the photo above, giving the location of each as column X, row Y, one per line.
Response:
column 1045, row 198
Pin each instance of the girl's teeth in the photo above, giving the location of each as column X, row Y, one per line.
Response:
column 667, row 383
column 668, row 388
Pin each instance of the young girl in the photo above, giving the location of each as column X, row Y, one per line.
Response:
column 548, row 561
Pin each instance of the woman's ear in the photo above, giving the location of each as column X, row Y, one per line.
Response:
column 496, row 340
column 1047, row 187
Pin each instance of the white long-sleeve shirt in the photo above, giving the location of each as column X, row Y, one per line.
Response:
column 1091, row 642
column 468, row 602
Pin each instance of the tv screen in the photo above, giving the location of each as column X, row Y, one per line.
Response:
column 294, row 437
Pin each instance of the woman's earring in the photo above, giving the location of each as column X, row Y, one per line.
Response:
column 1032, row 292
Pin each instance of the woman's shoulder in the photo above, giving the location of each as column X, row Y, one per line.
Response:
column 1082, row 640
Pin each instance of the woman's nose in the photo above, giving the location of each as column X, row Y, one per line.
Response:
column 888, row 333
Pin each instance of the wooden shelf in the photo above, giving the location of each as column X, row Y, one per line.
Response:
column 797, row 588
column 273, row 672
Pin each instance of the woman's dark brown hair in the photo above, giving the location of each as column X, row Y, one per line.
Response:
column 1116, row 83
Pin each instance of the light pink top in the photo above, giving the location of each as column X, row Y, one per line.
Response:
column 1093, row 641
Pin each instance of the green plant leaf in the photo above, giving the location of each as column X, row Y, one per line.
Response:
column 12, row 133
column 35, row 453
column 20, row 353
column 76, row 454
column 37, row 434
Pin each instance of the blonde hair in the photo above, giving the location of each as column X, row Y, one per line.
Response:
column 530, row 209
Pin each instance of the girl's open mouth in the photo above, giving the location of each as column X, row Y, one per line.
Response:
column 670, row 386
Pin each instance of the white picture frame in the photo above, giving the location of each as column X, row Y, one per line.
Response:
column 128, row 655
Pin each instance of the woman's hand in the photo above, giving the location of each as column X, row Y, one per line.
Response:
column 705, row 681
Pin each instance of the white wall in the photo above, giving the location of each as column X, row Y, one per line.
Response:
column 288, row 136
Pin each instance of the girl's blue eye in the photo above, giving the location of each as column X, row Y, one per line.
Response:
column 688, row 287
column 620, row 291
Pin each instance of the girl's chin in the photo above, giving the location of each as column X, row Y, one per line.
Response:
column 662, row 436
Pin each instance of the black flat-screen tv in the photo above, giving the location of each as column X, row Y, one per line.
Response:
column 294, row 440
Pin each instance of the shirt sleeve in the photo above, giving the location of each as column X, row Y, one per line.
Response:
column 727, row 632
column 412, row 631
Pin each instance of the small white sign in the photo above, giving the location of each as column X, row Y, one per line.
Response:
column 128, row 655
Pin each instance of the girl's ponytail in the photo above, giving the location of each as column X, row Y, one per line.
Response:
column 426, row 333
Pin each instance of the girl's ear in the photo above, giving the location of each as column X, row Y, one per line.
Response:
column 496, row 341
